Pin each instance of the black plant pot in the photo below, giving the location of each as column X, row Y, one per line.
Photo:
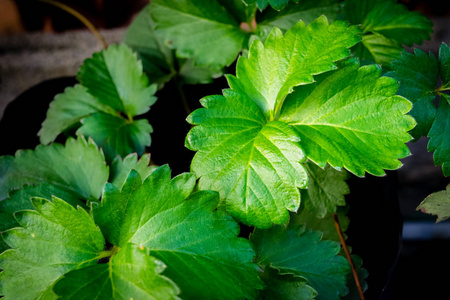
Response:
column 375, row 222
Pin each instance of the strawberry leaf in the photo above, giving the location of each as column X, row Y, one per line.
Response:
column 116, row 135
column 196, row 28
column 276, row 4
column 439, row 133
column 53, row 239
column 300, row 252
column 437, row 204
column 115, row 77
column 78, row 168
column 120, row 168
column 131, row 273
column 353, row 119
column 184, row 231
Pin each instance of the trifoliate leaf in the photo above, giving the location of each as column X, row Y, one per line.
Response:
column 255, row 166
column 157, row 59
column 116, row 135
column 130, row 274
column 286, row 286
column 53, row 239
column 307, row 11
column 78, row 167
column 120, row 168
column 326, row 189
column 439, row 135
column 437, row 204
column 353, row 119
column 395, row 22
column 67, row 109
column 182, row 230
column 115, row 77
column 276, row 4
column 294, row 250
column 197, row 29
column 418, row 75
column 273, row 69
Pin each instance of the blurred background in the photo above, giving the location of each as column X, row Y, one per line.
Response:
column 39, row 42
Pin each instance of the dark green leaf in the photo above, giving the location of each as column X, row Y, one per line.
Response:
column 439, row 135
column 53, row 239
column 199, row 29
column 417, row 75
column 130, row 274
column 198, row 244
column 116, row 135
column 78, row 168
column 300, row 252
column 286, row 286
column 276, row 4
column 444, row 64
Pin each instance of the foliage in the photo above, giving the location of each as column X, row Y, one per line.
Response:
column 95, row 219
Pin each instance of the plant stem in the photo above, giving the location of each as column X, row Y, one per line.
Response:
column 349, row 257
column 80, row 17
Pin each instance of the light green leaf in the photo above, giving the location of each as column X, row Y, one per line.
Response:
column 120, row 168
column 273, row 69
column 130, row 274
column 157, row 58
column 197, row 29
column 307, row 11
column 53, row 239
column 418, row 75
column 116, row 135
column 353, row 119
column 285, row 286
column 78, row 167
column 395, row 22
column 294, row 250
column 439, row 135
column 437, row 204
column 198, row 244
column 326, row 189
column 67, row 109
column 115, row 77
column 255, row 166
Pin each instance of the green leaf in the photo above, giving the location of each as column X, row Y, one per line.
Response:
column 115, row 77
column 307, row 11
column 285, row 286
column 78, row 167
column 131, row 274
column 273, row 69
column 198, row 244
column 255, row 166
column 294, row 250
column 53, row 239
column 418, row 75
column 20, row 199
column 444, row 63
column 439, row 133
column 276, row 4
column 377, row 47
column 116, row 135
column 353, row 119
column 326, row 189
column 67, row 109
column 362, row 276
column 437, row 204
column 197, row 29
column 356, row 11
column 157, row 59
column 120, row 168
column 395, row 22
